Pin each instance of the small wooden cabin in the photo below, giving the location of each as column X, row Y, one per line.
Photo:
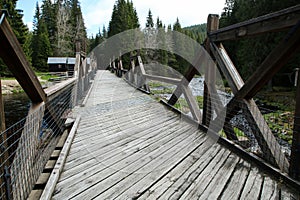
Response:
column 61, row 64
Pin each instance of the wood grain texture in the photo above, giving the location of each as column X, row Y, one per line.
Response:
column 128, row 146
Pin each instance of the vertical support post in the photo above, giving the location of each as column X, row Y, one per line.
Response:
column 295, row 155
column 212, row 25
column 3, row 146
column 2, row 117
column 78, row 46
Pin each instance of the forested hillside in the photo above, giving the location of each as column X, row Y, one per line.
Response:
column 56, row 28
column 247, row 54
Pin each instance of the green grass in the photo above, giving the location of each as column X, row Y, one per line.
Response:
column 8, row 78
column 155, row 84
column 45, row 76
column 281, row 124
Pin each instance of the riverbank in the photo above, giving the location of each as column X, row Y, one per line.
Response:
column 12, row 86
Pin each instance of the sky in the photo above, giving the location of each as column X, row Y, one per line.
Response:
column 97, row 13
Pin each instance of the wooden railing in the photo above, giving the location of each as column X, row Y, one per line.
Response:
column 243, row 90
column 26, row 147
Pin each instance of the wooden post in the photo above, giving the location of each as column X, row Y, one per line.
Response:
column 3, row 146
column 78, row 46
column 295, row 155
column 2, row 117
column 212, row 25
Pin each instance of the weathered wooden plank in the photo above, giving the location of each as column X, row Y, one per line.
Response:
column 203, row 177
column 235, row 186
column 42, row 181
column 110, row 152
column 54, row 90
column 174, row 182
column 169, row 149
column 217, row 184
column 114, row 151
column 35, row 194
column 114, row 128
column 272, row 22
column 104, row 178
column 253, row 185
column 83, row 155
column 50, row 186
column 193, row 105
column 15, row 59
column 180, row 174
column 270, row 189
column 153, row 171
column 62, row 140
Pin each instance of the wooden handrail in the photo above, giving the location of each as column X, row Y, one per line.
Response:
column 273, row 22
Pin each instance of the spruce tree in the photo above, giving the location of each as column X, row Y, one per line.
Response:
column 149, row 20
column 18, row 27
column 40, row 44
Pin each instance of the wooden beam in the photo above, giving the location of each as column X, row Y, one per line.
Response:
column 2, row 114
column 3, row 145
column 56, row 89
column 169, row 80
column 295, row 155
column 227, row 67
column 184, row 81
column 272, row 64
column 193, row 105
column 273, row 22
column 210, row 73
column 14, row 57
column 141, row 65
column 264, row 136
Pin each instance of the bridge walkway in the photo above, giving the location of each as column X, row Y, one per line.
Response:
column 129, row 146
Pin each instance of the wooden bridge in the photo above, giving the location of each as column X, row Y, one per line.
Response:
column 98, row 136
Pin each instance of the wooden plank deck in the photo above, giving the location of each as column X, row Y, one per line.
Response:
column 128, row 146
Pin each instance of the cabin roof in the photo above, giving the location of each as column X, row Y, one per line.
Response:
column 61, row 60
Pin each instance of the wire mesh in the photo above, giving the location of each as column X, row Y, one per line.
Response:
column 27, row 146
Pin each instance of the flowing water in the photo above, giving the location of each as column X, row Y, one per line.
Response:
column 16, row 107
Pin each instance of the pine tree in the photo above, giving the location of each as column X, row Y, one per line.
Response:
column 40, row 44
column 104, row 32
column 149, row 20
column 48, row 15
column 124, row 17
column 18, row 27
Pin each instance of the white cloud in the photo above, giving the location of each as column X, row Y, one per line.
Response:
column 97, row 13
column 190, row 12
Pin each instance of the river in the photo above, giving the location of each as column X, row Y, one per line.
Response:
column 16, row 107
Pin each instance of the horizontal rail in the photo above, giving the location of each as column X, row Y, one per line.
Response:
column 52, row 91
column 273, row 22
column 170, row 80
